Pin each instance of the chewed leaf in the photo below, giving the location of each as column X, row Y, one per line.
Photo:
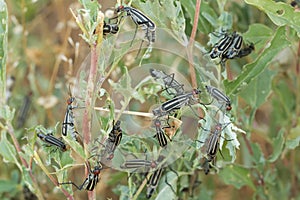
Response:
column 252, row 70
column 231, row 131
column 280, row 13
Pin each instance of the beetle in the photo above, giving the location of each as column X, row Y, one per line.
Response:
column 169, row 81
column 51, row 140
column 110, row 28
column 219, row 96
column 113, row 140
column 176, row 103
column 140, row 19
column 91, row 180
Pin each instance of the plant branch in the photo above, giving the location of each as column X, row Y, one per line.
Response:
column 10, row 130
column 248, row 145
column 52, row 179
column 90, row 100
column 128, row 112
column 191, row 44
column 136, row 195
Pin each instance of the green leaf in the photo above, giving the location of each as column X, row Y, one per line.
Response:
column 6, row 113
column 124, row 85
column 280, row 13
column 174, row 19
column 8, row 186
column 8, row 151
column 293, row 138
column 92, row 6
column 236, row 176
column 207, row 19
column 3, row 50
column 256, row 93
column 259, row 34
column 252, row 70
column 278, row 143
column 26, row 178
column 75, row 146
column 258, row 156
column 165, row 191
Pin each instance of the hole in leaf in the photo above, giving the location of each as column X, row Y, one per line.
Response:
column 280, row 12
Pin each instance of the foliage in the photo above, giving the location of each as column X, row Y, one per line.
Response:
column 260, row 138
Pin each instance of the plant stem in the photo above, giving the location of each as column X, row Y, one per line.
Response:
column 128, row 112
column 191, row 44
column 11, row 132
column 90, row 100
column 136, row 195
column 87, row 116
column 52, row 179
column 190, row 49
column 297, row 83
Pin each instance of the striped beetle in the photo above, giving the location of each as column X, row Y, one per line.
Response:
column 160, row 134
column 234, row 48
column 153, row 181
column 230, row 47
column 223, row 44
column 169, row 82
column 24, row 110
column 176, row 103
column 68, row 124
column 142, row 164
column 91, row 180
column 219, row 96
column 113, row 140
column 212, row 146
column 51, row 140
column 140, row 19
column 213, row 142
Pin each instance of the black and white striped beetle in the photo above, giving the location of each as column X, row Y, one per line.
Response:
column 223, row 44
column 169, row 81
column 68, row 125
column 113, row 140
column 140, row 19
column 219, row 96
column 234, row 48
column 160, row 134
column 143, row 165
column 91, row 180
column 212, row 146
column 24, row 110
column 139, row 164
column 213, row 143
column 176, row 103
column 230, row 47
column 51, row 140
column 153, row 181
